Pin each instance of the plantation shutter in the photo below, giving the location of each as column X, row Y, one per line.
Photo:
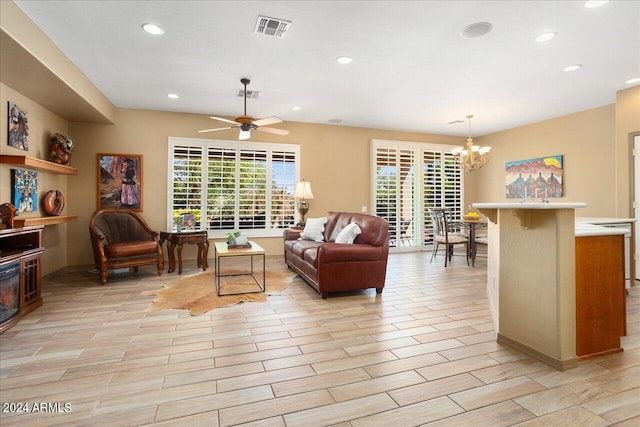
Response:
column 187, row 181
column 252, row 189
column 409, row 179
column 230, row 186
column 283, row 173
column 442, row 187
column 386, row 185
column 221, row 188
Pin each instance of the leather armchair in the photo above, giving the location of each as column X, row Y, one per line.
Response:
column 121, row 239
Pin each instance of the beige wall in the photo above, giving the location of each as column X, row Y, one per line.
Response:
column 42, row 124
column 627, row 125
column 585, row 139
column 335, row 159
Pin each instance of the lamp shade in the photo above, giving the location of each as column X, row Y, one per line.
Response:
column 303, row 191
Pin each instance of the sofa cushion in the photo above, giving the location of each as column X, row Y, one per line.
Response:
column 314, row 229
column 301, row 246
column 131, row 248
column 348, row 234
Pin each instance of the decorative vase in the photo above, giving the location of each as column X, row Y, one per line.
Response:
column 53, row 203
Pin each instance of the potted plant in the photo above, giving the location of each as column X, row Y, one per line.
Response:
column 235, row 239
column 178, row 221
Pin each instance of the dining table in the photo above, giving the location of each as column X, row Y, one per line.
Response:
column 473, row 225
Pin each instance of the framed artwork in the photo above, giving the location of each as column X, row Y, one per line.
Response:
column 541, row 177
column 18, row 128
column 120, row 181
column 25, row 190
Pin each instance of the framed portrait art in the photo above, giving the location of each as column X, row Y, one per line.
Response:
column 120, row 181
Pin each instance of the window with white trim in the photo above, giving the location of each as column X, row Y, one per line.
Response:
column 409, row 179
column 227, row 185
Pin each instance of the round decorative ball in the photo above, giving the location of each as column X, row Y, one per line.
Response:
column 60, row 148
column 53, row 203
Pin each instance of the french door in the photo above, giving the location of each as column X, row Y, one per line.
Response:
column 409, row 179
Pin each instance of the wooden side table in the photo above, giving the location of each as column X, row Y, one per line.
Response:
column 177, row 240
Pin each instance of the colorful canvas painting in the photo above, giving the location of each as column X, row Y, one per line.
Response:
column 120, row 181
column 25, row 190
column 18, row 128
column 541, row 177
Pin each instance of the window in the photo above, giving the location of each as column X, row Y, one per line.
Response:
column 409, row 179
column 228, row 185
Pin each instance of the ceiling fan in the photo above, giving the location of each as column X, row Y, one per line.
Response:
column 246, row 123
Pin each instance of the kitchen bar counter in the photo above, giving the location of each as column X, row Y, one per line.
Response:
column 624, row 225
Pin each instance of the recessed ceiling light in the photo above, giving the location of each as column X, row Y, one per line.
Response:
column 296, row 108
column 173, row 96
column 594, row 3
column 545, row 37
column 153, row 29
column 632, row 81
column 344, row 59
column 478, row 29
column 335, row 120
column 573, row 67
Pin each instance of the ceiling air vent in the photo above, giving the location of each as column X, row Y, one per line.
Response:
column 272, row 27
column 252, row 94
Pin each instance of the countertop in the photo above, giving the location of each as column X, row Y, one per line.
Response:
column 584, row 229
column 603, row 220
column 529, row 205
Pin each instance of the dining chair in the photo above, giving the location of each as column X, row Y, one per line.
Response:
column 404, row 226
column 444, row 234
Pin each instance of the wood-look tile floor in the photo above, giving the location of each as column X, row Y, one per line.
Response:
column 423, row 353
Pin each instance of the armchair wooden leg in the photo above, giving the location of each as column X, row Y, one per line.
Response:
column 104, row 273
column 379, row 290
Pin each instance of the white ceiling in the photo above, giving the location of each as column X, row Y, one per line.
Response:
column 411, row 70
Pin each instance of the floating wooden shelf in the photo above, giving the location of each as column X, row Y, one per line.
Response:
column 44, row 220
column 38, row 164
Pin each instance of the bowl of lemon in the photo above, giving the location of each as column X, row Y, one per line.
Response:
column 471, row 216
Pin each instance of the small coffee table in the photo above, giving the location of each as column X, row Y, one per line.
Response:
column 222, row 250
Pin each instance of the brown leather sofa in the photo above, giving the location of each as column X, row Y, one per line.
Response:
column 120, row 239
column 335, row 267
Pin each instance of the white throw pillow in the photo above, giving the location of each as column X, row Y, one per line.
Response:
column 348, row 234
column 313, row 229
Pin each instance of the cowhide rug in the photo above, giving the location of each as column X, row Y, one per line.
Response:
column 198, row 294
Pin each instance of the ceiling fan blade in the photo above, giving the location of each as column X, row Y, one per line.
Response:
column 266, row 121
column 273, row 130
column 244, row 134
column 222, row 120
column 213, row 130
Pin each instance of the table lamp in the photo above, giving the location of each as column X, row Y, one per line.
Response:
column 303, row 193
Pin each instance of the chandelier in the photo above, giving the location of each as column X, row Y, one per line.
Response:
column 474, row 156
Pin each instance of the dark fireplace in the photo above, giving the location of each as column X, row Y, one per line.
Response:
column 9, row 290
